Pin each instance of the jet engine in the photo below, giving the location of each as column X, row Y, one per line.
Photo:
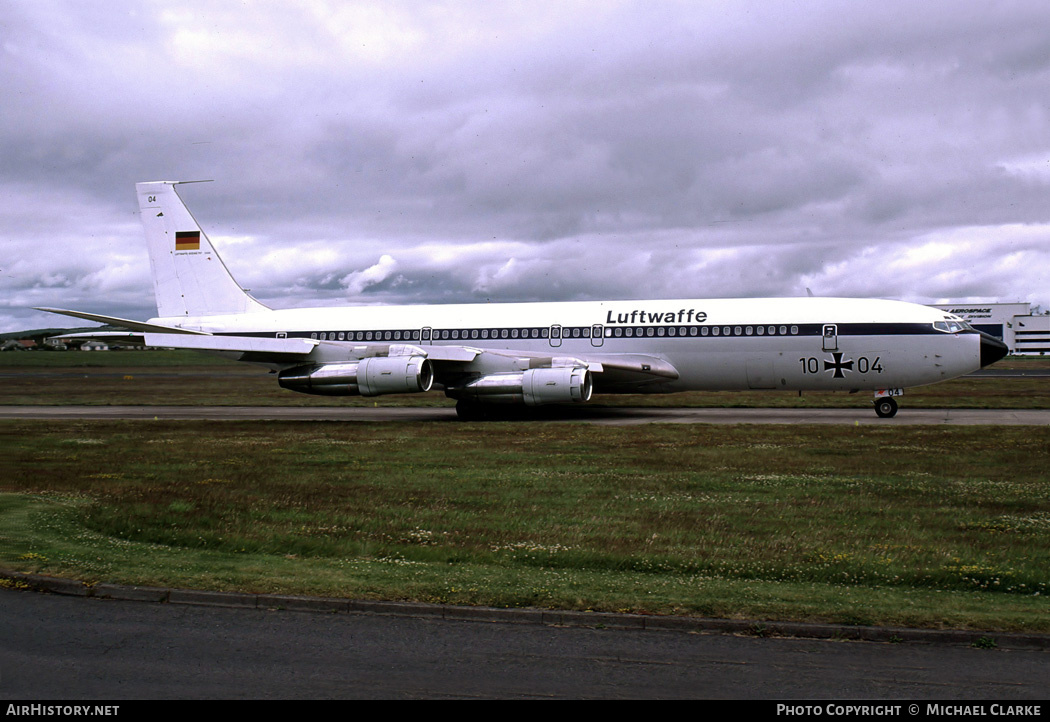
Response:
column 371, row 376
column 533, row 387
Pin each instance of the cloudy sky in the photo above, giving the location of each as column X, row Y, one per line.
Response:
column 429, row 152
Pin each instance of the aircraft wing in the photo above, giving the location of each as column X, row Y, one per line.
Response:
column 453, row 365
column 242, row 344
column 293, row 350
column 612, row 372
column 120, row 338
column 622, row 372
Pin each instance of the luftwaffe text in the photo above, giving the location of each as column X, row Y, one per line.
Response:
column 640, row 315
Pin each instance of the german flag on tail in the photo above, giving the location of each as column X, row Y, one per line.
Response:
column 187, row 240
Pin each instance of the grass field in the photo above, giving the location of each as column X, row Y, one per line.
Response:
column 928, row 527
column 913, row 526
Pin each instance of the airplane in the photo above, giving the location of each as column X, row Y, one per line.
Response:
column 492, row 355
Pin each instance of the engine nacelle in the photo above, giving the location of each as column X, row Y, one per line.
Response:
column 532, row 388
column 372, row 376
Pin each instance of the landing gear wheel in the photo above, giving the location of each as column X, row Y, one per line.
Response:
column 886, row 407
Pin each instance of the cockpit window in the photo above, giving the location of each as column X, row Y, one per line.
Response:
column 951, row 325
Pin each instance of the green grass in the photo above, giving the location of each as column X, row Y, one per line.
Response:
column 924, row 526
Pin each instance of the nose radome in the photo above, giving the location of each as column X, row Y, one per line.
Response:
column 992, row 349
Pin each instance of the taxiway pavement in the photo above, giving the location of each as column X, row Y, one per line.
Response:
column 608, row 415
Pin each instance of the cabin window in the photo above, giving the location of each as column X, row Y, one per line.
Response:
column 794, row 330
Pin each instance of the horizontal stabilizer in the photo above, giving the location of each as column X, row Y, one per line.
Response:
column 122, row 322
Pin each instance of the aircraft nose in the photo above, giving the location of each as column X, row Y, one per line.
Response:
column 992, row 349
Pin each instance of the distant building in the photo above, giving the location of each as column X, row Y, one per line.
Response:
column 18, row 344
column 1021, row 330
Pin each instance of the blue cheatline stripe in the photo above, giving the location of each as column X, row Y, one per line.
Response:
column 708, row 332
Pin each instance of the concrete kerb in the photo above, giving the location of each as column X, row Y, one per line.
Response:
column 594, row 620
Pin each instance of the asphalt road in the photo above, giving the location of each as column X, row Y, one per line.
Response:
column 75, row 648
column 588, row 414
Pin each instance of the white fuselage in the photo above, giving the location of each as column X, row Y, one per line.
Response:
column 713, row 344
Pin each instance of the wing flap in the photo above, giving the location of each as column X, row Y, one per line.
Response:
column 122, row 338
column 461, row 354
column 641, row 365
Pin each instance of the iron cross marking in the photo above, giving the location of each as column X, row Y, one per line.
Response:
column 838, row 365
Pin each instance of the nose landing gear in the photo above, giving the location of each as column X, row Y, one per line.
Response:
column 885, row 407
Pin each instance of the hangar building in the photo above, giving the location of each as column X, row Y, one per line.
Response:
column 1021, row 330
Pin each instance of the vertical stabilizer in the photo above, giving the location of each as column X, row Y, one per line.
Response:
column 189, row 278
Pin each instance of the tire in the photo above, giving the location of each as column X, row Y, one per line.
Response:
column 885, row 408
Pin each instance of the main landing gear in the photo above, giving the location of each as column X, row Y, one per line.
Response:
column 885, row 407
column 472, row 411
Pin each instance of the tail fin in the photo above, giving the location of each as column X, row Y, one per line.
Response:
column 189, row 278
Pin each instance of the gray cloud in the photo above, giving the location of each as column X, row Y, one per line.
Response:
column 514, row 152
